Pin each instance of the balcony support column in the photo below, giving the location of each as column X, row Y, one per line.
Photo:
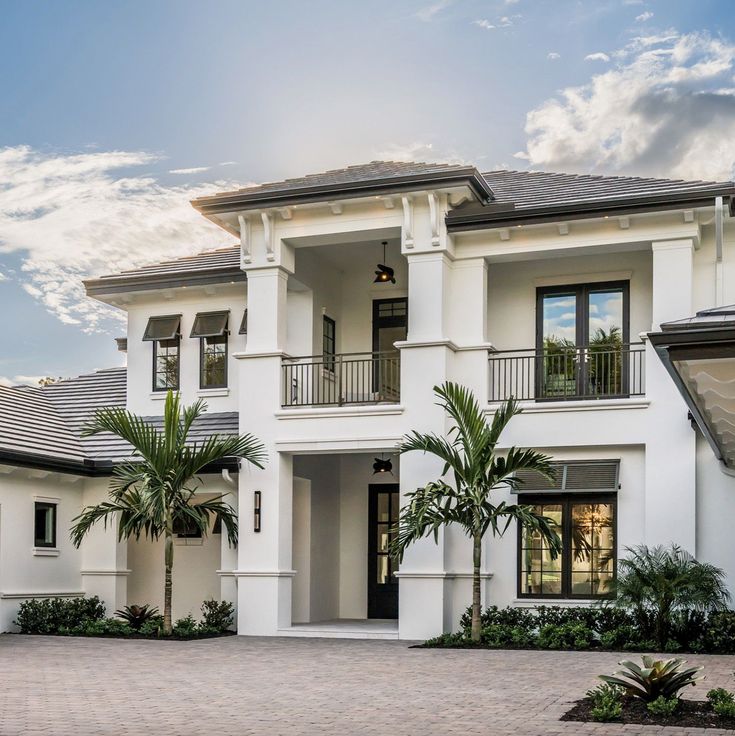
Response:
column 670, row 493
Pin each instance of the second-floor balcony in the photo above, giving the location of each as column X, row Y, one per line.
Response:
column 343, row 379
column 568, row 372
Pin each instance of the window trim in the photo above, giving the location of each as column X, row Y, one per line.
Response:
column 566, row 500
column 202, row 344
column 53, row 507
column 175, row 387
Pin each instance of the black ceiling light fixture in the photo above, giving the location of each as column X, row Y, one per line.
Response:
column 384, row 274
column 381, row 465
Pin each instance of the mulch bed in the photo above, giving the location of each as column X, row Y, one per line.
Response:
column 693, row 713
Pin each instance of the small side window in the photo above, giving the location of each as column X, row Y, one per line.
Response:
column 44, row 532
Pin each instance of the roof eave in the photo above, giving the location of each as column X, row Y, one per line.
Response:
column 234, row 201
column 122, row 284
column 457, row 222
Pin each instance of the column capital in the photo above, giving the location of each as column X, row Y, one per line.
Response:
column 677, row 244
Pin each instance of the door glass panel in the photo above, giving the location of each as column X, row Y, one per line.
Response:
column 383, row 507
column 604, row 357
column 383, row 537
column 395, row 506
column 593, row 548
column 387, row 362
column 383, row 571
column 541, row 574
column 559, row 345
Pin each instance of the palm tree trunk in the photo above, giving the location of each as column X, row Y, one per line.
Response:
column 168, row 586
column 476, row 597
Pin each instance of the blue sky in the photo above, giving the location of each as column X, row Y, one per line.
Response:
column 114, row 115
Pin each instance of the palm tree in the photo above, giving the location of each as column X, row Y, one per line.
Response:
column 659, row 582
column 470, row 458
column 154, row 490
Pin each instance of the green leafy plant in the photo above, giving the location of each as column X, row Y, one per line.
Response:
column 606, row 703
column 136, row 616
column 217, row 616
column 722, row 702
column 57, row 615
column 655, row 678
column 155, row 489
column 185, row 627
column 476, row 470
column 565, row 636
column 663, row 706
column 660, row 583
column 107, row 627
column 499, row 636
column 152, row 627
column 448, row 641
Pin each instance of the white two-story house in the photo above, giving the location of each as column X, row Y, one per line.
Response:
column 343, row 300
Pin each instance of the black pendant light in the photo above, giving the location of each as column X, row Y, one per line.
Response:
column 381, row 465
column 384, row 274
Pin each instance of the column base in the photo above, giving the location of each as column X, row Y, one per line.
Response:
column 263, row 601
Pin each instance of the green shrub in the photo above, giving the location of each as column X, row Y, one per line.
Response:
column 718, row 634
column 499, row 636
column 185, row 627
column 448, row 641
column 151, row 627
column 663, row 706
column 217, row 616
column 606, row 705
column 565, row 636
column 656, row 678
column 107, row 627
column 136, row 616
column 722, row 702
column 58, row 615
column 625, row 636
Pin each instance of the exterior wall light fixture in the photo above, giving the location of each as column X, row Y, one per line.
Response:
column 256, row 511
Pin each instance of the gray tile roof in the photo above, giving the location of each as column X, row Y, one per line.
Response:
column 47, row 423
column 715, row 317
column 528, row 189
column 518, row 193
column 212, row 266
column 375, row 170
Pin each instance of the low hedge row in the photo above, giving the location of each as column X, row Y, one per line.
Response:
column 86, row 617
column 606, row 627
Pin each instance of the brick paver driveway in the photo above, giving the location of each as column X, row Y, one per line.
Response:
column 245, row 686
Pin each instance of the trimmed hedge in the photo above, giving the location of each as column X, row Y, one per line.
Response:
column 606, row 627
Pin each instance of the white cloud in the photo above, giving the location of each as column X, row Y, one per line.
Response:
column 429, row 12
column 418, row 151
column 507, row 21
column 598, row 56
column 3, row 277
column 70, row 216
column 553, row 55
column 665, row 110
column 483, row 23
column 643, row 17
column 512, row 2
column 18, row 380
column 192, row 170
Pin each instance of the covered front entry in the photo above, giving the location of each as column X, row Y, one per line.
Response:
column 344, row 581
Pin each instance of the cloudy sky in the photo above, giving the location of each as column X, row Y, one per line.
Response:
column 114, row 115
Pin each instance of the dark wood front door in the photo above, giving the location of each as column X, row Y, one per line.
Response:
column 382, row 582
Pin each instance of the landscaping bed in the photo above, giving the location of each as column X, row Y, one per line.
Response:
column 607, row 627
column 86, row 617
column 692, row 713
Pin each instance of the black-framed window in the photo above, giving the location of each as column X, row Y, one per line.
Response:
column 44, row 524
column 329, row 342
column 183, row 528
column 582, row 337
column 586, row 567
column 213, row 362
column 166, row 360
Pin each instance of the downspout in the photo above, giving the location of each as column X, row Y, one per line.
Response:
column 719, row 267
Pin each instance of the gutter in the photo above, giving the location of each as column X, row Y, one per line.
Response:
column 244, row 200
column 88, row 467
column 484, row 219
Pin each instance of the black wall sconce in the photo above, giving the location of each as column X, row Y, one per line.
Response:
column 256, row 511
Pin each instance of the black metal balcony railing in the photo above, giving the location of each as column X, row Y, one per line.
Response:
column 568, row 373
column 347, row 378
